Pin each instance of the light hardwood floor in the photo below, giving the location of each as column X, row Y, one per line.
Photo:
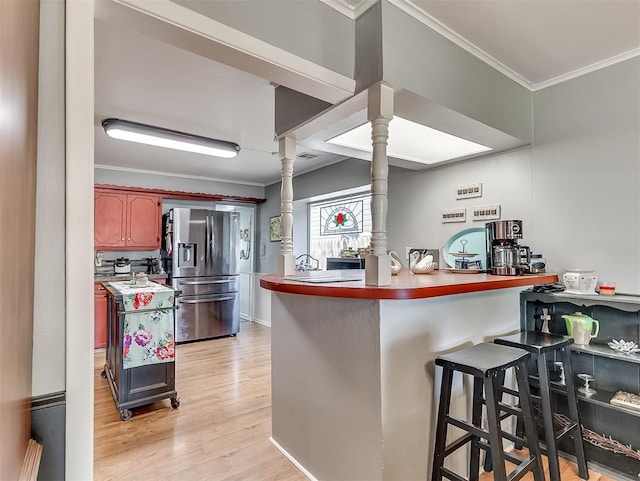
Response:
column 221, row 430
column 568, row 471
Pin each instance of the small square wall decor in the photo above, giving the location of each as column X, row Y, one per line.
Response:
column 275, row 229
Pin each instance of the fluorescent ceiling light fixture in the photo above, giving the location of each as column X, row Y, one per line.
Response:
column 171, row 139
column 412, row 141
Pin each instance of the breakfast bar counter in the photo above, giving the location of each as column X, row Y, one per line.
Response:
column 354, row 384
column 405, row 285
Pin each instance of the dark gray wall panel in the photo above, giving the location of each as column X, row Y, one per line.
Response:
column 48, row 415
column 368, row 48
column 421, row 60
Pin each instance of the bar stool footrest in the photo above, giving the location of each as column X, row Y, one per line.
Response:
column 459, row 423
column 522, row 470
column 457, row 444
column 566, row 430
column 447, row 473
column 511, row 410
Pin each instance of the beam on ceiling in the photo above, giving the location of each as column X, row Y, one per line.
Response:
column 192, row 31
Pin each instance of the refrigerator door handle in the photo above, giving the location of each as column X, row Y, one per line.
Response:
column 207, row 234
column 200, row 283
column 206, row 299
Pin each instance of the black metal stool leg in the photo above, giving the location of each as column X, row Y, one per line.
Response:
column 495, row 431
column 488, row 465
column 547, row 418
column 581, row 460
column 527, row 416
column 441, row 426
column 476, row 420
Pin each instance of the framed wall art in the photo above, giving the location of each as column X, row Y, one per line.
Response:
column 275, row 229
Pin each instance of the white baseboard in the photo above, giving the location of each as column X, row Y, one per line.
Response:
column 261, row 321
column 293, row 460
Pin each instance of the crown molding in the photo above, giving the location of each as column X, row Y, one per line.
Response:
column 416, row 12
column 347, row 10
column 363, row 7
column 169, row 174
column 588, row 69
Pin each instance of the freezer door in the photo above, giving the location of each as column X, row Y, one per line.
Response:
column 198, row 286
column 205, row 317
column 205, row 242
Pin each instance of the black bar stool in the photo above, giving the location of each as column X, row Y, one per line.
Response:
column 544, row 346
column 486, row 363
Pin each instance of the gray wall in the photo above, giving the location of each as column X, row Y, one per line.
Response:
column 333, row 178
column 417, row 199
column 49, row 288
column 586, row 174
column 576, row 188
column 307, row 28
column 421, row 60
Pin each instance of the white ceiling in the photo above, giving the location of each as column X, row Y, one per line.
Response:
column 539, row 41
column 536, row 42
column 141, row 79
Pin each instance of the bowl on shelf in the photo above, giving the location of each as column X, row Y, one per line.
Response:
column 625, row 347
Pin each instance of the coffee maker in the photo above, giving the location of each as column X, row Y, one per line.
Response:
column 504, row 256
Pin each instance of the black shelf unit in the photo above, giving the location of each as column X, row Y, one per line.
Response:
column 619, row 318
column 136, row 386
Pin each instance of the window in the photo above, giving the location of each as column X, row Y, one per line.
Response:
column 337, row 224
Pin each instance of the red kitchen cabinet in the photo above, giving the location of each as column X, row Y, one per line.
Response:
column 143, row 221
column 126, row 220
column 99, row 316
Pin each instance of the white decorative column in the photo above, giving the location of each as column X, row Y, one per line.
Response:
column 287, row 261
column 379, row 113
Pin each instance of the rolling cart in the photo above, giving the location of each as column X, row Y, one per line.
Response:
column 140, row 355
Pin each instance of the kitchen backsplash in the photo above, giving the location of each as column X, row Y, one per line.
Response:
column 138, row 260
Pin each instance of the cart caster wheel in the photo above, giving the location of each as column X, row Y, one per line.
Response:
column 175, row 402
column 126, row 414
column 103, row 374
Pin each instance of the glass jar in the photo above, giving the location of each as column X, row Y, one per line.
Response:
column 537, row 264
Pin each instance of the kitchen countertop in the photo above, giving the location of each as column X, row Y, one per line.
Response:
column 405, row 285
column 123, row 277
column 355, row 364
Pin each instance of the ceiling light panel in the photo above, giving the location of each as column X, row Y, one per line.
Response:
column 412, row 141
column 171, row 139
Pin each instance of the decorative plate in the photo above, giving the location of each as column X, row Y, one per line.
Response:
column 464, row 271
column 475, row 237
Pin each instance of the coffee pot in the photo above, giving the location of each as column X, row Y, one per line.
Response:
column 581, row 327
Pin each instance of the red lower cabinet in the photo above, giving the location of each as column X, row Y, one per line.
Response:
column 99, row 317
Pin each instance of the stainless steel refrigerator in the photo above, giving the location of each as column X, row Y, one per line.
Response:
column 201, row 250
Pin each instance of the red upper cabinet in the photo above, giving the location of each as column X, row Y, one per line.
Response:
column 143, row 221
column 126, row 220
column 110, row 219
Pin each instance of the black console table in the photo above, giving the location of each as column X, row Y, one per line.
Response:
column 612, row 437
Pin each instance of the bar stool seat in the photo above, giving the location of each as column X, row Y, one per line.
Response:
column 487, row 363
column 543, row 346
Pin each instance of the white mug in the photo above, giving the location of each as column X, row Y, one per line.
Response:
column 588, row 283
column 580, row 280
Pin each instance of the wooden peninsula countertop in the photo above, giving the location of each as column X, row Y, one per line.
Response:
column 405, row 285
